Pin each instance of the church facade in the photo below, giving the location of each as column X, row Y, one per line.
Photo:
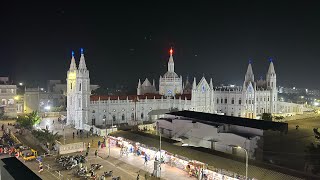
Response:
column 250, row 100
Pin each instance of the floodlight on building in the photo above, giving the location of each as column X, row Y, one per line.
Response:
column 16, row 98
column 20, row 84
column 316, row 103
column 47, row 108
column 41, row 89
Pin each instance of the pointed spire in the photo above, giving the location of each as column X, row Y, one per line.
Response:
column 82, row 64
column 139, row 83
column 249, row 74
column 194, row 85
column 171, row 62
column 73, row 65
column 249, row 69
column 211, row 84
column 182, row 85
column 271, row 67
column 153, row 83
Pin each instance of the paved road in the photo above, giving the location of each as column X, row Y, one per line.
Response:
column 167, row 172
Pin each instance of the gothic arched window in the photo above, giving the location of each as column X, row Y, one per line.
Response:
column 141, row 115
column 114, row 118
column 123, row 117
column 80, row 87
column 132, row 116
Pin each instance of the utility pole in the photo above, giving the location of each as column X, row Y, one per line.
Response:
column 160, row 155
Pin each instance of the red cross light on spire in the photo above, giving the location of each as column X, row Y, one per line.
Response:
column 171, row 52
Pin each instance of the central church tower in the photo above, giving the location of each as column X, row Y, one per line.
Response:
column 170, row 84
column 78, row 93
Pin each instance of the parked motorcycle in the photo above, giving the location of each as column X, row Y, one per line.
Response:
column 108, row 174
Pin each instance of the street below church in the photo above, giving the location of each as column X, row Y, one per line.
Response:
column 128, row 167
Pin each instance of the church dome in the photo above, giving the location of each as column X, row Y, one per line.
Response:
column 170, row 75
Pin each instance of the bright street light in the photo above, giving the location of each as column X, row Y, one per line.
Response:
column 16, row 98
column 47, row 108
column 20, row 84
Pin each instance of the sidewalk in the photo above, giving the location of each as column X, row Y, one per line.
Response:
column 167, row 172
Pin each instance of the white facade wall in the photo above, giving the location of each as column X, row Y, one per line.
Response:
column 8, row 103
column 128, row 111
column 170, row 86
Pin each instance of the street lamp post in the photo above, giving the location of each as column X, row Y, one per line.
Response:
column 239, row 147
column 160, row 154
column 158, row 131
column 64, row 135
column 111, row 122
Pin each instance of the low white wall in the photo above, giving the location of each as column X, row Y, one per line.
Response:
column 147, row 126
column 108, row 131
column 70, row 148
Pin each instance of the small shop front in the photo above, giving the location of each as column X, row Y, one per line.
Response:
column 192, row 167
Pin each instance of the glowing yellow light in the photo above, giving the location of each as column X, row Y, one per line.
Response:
column 72, row 75
column 16, row 98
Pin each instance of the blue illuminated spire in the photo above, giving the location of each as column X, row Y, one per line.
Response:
column 271, row 67
column 73, row 65
column 250, row 61
column 82, row 64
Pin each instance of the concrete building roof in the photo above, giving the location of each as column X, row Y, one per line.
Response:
column 18, row 170
column 245, row 122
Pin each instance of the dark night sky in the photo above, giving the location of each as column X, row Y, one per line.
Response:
column 127, row 41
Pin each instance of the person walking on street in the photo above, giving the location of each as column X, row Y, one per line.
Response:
column 99, row 143
column 145, row 159
column 40, row 167
column 96, row 153
column 88, row 147
column 53, row 121
column 138, row 177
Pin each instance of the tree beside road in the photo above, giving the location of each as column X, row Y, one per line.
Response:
column 29, row 120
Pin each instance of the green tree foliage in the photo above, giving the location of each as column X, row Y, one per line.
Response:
column 46, row 136
column 266, row 117
column 312, row 158
column 29, row 120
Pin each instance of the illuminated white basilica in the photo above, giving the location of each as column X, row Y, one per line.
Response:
column 250, row 100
